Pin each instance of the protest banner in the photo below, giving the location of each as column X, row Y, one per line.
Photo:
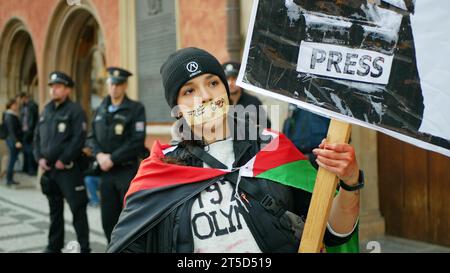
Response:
column 382, row 66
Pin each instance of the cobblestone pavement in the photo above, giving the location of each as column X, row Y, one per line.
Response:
column 24, row 220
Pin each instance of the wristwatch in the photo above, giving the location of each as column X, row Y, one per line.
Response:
column 356, row 187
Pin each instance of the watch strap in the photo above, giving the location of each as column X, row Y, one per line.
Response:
column 356, row 187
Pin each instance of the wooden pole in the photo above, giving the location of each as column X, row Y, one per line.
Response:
column 323, row 194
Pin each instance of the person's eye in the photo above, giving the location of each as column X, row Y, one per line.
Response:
column 188, row 91
column 214, row 83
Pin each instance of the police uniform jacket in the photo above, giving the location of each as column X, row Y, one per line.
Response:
column 60, row 133
column 120, row 133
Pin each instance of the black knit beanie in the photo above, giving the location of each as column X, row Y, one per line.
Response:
column 186, row 64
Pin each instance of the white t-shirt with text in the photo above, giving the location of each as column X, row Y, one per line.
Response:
column 217, row 225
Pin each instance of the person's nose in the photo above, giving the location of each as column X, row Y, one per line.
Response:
column 205, row 95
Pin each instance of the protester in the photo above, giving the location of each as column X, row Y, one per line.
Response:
column 14, row 137
column 195, row 197
column 117, row 142
column 59, row 138
column 29, row 115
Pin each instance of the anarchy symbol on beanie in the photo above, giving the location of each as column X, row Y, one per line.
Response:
column 192, row 67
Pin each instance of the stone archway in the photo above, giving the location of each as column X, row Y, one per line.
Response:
column 18, row 70
column 18, row 67
column 74, row 38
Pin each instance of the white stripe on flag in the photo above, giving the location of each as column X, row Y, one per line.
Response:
column 168, row 150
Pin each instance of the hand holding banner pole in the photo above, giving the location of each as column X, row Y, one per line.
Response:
column 323, row 194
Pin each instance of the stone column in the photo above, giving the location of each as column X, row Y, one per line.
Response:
column 128, row 54
column 372, row 224
column 234, row 30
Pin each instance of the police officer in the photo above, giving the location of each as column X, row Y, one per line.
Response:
column 59, row 138
column 238, row 96
column 118, row 136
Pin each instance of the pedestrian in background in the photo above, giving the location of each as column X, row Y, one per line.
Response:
column 14, row 137
column 59, row 137
column 29, row 115
column 306, row 130
column 91, row 177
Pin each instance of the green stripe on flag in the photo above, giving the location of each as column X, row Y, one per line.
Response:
column 299, row 174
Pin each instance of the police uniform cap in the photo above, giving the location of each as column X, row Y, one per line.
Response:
column 117, row 75
column 62, row 78
column 231, row 68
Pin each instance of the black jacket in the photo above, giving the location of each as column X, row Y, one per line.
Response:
column 60, row 133
column 121, row 133
column 247, row 99
column 14, row 127
column 160, row 220
column 29, row 115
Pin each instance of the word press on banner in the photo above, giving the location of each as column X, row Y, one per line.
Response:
column 344, row 63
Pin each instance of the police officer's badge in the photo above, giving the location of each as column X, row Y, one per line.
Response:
column 61, row 127
column 140, row 126
column 116, row 73
column 54, row 77
column 118, row 129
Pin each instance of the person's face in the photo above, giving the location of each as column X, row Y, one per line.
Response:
column 235, row 91
column 15, row 106
column 203, row 100
column 59, row 92
column 117, row 91
column 19, row 101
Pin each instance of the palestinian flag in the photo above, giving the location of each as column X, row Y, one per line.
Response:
column 278, row 161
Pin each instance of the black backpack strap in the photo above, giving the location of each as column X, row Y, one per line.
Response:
column 205, row 157
column 266, row 200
